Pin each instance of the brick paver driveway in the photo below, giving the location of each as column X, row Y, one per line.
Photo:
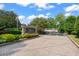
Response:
column 45, row 45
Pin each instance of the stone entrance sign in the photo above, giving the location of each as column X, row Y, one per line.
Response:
column 28, row 29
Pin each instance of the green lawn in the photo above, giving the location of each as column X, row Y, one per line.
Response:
column 73, row 37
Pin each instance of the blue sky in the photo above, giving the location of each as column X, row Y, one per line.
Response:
column 26, row 12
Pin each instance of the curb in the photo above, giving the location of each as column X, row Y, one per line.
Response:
column 73, row 41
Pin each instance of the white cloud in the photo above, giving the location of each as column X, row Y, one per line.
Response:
column 59, row 3
column 26, row 20
column 67, row 14
column 23, row 4
column 43, row 5
column 39, row 5
column 21, row 17
column 1, row 6
column 48, row 14
column 51, row 6
column 41, row 15
column 34, row 16
column 43, row 1
column 31, row 17
column 72, row 8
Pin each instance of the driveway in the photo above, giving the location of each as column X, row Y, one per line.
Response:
column 45, row 45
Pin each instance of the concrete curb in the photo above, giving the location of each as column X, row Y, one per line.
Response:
column 72, row 41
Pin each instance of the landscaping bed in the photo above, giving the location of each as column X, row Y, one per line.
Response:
column 9, row 38
column 74, row 39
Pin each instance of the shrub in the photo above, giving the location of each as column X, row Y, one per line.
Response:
column 12, row 31
column 77, row 34
column 28, row 35
column 69, row 31
column 61, row 30
column 17, row 37
column 8, row 37
column 74, row 32
column 40, row 30
column 4, row 38
column 34, row 34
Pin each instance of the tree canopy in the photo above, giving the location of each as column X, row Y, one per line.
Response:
column 70, row 22
column 8, row 19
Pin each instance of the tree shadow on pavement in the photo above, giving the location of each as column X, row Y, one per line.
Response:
column 10, row 49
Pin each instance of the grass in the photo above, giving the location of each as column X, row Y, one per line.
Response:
column 73, row 37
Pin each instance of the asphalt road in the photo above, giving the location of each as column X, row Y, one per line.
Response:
column 45, row 45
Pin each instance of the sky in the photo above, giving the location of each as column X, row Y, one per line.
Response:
column 28, row 11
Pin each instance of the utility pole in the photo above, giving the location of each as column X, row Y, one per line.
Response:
column 75, row 22
column 36, row 29
column 17, row 22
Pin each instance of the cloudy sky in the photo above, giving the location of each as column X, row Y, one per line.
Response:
column 28, row 11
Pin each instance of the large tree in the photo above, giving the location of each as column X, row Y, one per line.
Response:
column 70, row 22
column 59, row 18
column 51, row 23
column 40, row 23
column 60, row 22
column 8, row 19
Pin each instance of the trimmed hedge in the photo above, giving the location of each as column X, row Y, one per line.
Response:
column 28, row 35
column 4, row 38
column 12, row 31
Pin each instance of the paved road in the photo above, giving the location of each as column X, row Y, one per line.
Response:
column 45, row 45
